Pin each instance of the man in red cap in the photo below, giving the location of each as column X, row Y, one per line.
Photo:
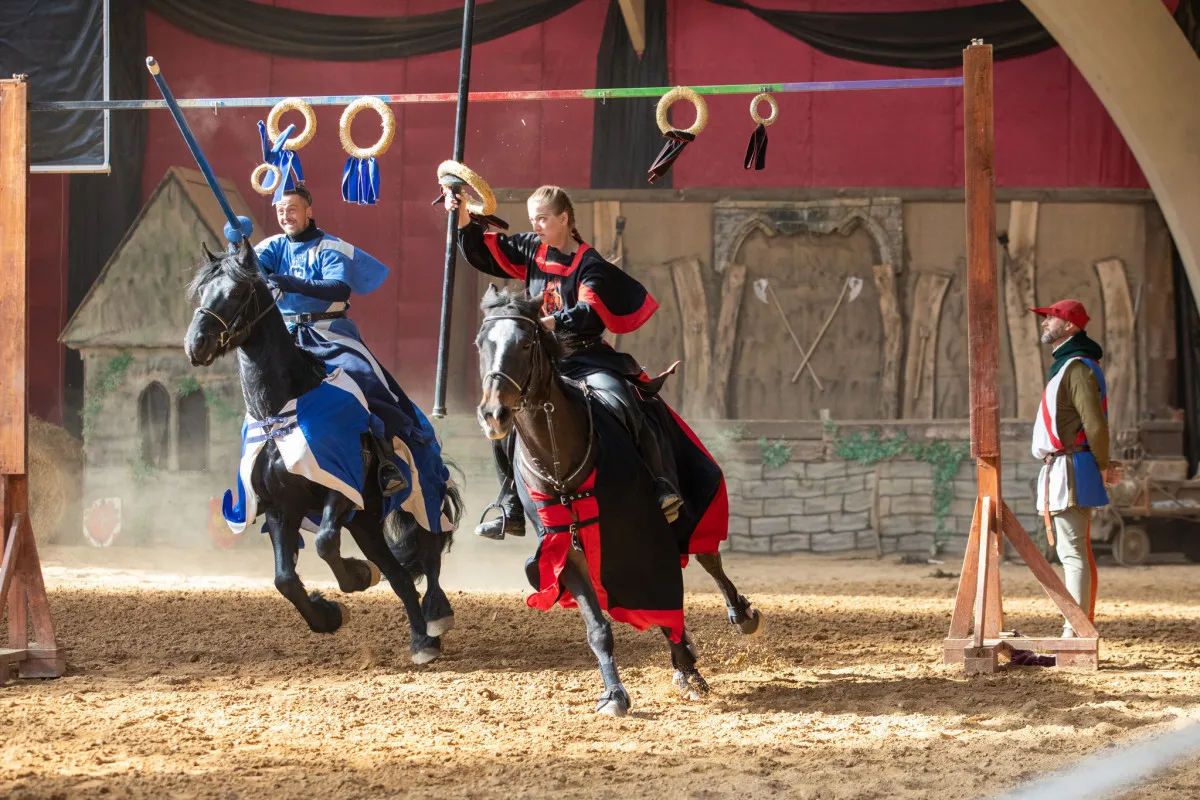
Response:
column 1070, row 437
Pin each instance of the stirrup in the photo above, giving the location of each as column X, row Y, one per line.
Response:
column 508, row 526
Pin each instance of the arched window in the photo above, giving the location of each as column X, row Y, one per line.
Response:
column 154, row 417
column 192, row 436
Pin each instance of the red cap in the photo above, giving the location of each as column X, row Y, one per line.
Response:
column 1071, row 311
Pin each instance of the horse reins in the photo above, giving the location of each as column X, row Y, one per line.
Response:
column 559, row 484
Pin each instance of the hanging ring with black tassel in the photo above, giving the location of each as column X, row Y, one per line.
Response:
column 676, row 139
column 756, row 151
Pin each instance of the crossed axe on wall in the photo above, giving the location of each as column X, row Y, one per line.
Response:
column 766, row 294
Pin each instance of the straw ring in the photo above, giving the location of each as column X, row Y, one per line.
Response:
column 310, row 122
column 764, row 98
column 487, row 199
column 261, row 171
column 387, row 121
column 682, row 93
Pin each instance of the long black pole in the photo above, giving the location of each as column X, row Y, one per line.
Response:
column 460, row 142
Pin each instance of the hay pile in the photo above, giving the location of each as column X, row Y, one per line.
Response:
column 55, row 482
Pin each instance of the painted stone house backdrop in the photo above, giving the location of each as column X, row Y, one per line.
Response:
column 159, row 434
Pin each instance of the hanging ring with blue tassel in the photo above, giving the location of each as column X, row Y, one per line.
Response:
column 259, row 185
column 360, row 176
column 310, row 122
column 387, row 121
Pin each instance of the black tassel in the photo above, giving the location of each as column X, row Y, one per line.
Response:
column 676, row 141
column 756, row 151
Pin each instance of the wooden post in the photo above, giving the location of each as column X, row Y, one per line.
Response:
column 979, row 582
column 21, row 587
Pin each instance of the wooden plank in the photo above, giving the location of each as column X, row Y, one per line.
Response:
column 634, row 12
column 983, row 332
column 1019, row 276
column 985, row 555
column 987, row 477
column 893, row 341
column 1041, row 643
column 14, row 172
column 1120, row 355
column 605, row 214
column 1155, row 318
column 725, row 337
column 1049, row 579
column 35, row 590
column 922, row 345
column 697, row 352
column 960, row 620
column 12, row 554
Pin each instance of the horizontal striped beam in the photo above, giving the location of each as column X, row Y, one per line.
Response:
column 477, row 97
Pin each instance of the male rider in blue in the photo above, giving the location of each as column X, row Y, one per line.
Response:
column 317, row 273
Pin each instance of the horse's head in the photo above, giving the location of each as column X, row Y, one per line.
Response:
column 232, row 297
column 514, row 358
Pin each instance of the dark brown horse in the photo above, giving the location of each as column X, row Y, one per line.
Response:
column 555, row 455
column 237, row 311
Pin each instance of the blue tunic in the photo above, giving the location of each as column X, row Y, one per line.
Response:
column 313, row 256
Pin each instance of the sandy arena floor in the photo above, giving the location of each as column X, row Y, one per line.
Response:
column 190, row 677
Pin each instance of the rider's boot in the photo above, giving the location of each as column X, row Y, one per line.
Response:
column 511, row 522
column 669, row 499
column 391, row 479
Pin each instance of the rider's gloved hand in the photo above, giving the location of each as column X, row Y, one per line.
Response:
column 284, row 283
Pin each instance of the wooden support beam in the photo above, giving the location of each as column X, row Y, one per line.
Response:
column 14, row 320
column 893, row 341
column 921, row 362
column 634, row 12
column 22, row 591
column 608, row 241
column 725, row 337
column 697, row 347
column 1018, row 299
column 1120, row 354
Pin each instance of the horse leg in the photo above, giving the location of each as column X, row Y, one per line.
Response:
column 353, row 574
column 615, row 700
column 435, row 606
column 371, row 541
column 322, row 616
column 741, row 614
column 687, row 679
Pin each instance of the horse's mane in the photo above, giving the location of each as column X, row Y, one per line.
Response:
column 517, row 302
column 236, row 265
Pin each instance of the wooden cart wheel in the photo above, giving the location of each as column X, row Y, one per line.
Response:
column 1131, row 546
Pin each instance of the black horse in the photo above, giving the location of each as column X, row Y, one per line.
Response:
column 555, row 428
column 237, row 310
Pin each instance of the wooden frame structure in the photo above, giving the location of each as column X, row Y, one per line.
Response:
column 976, row 636
column 22, row 590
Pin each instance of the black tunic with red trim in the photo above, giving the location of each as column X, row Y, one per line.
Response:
column 585, row 294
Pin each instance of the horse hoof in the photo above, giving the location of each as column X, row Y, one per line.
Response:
column 690, row 687
column 614, row 702
column 439, row 627
column 345, row 615
column 426, row 656
column 374, row 574
column 752, row 625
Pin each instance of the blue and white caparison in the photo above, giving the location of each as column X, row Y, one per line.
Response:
column 318, row 437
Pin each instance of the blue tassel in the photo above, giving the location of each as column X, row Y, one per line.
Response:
column 360, row 181
column 287, row 161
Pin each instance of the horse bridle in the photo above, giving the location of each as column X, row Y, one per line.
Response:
column 231, row 332
column 559, row 484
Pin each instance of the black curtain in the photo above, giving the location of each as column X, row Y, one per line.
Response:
column 59, row 44
column 916, row 39
column 625, row 137
column 102, row 207
column 1187, row 317
column 333, row 37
